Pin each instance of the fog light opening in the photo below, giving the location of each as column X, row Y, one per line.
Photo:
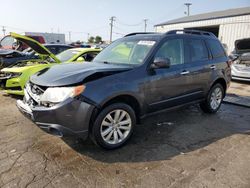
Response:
column 55, row 132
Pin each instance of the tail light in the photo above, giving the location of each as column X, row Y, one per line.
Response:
column 229, row 63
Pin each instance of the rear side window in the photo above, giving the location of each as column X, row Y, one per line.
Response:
column 216, row 48
column 197, row 50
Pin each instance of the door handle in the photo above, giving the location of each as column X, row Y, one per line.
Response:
column 185, row 72
column 213, row 67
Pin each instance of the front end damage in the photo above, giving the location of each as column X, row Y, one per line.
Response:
column 70, row 117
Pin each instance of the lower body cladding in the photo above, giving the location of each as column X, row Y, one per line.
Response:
column 71, row 117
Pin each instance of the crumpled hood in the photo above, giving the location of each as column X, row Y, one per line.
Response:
column 72, row 73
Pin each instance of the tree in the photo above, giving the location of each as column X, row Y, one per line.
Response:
column 91, row 39
column 98, row 39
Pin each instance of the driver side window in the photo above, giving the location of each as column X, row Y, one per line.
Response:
column 173, row 50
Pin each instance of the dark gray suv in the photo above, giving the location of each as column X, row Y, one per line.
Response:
column 140, row 74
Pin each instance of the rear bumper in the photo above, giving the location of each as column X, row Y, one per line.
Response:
column 240, row 78
column 240, row 75
column 69, row 118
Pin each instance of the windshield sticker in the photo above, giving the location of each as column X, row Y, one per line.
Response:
column 146, row 42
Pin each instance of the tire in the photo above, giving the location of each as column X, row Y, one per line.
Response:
column 212, row 107
column 113, row 126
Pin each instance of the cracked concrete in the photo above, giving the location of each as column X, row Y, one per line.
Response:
column 184, row 148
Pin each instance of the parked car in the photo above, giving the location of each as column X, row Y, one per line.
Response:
column 241, row 63
column 78, row 54
column 14, row 78
column 10, row 57
column 133, row 77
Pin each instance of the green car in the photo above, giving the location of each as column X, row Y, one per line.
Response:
column 14, row 78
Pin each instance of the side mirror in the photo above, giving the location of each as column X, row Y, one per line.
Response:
column 160, row 63
column 80, row 59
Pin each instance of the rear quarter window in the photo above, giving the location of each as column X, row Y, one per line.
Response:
column 216, row 48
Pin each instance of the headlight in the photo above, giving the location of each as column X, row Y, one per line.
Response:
column 15, row 74
column 59, row 94
column 9, row 75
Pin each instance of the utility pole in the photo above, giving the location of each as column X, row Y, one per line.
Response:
column 87, row 37
column 112, row 19
column 69, row 36
column 4, row 30
column 145, row 24
column 188, row 8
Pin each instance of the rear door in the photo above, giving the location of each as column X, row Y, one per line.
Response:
column 197, row 67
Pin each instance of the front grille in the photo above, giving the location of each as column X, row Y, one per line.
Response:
column 5, row 75
column 17, row 88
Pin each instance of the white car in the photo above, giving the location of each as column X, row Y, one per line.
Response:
column 241, row 64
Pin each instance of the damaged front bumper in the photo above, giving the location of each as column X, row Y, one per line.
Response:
column 71, row 117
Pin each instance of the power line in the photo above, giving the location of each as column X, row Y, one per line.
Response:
column 168, row 15
column 122, row 34
column 130, row 25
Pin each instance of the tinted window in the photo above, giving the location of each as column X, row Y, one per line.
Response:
column 89, row 56
column 61, row 49
column 173, row 50
column 197, row 50
column 216, row 48
column 52, row 49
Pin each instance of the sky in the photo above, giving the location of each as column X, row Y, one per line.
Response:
column 81, row 17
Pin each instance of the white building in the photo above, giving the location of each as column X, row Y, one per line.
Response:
column 50, row 38
column 228, row 25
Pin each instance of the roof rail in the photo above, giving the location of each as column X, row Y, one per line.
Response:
column 192, row 32
column 139, row 33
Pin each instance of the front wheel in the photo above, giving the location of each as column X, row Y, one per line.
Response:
column 113, row 126
column 213, row 100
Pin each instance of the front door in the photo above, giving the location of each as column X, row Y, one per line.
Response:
column 165, row 87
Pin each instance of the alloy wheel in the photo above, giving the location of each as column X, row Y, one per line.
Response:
column 216, row 98
column 116, row 126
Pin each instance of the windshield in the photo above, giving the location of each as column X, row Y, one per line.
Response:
column 67, row 55
column 129, row 51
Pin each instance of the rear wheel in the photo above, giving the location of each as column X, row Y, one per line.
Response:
column 113, row 126
column 213, row 100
